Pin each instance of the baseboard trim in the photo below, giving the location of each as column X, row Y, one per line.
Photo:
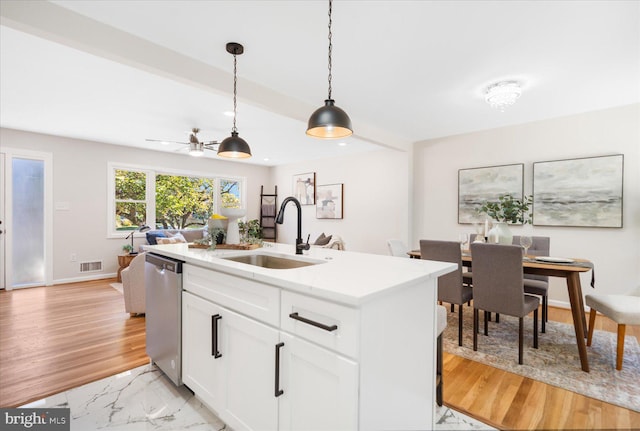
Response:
column 85, row 278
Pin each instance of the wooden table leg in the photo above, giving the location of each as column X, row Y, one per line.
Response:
column 579, row 318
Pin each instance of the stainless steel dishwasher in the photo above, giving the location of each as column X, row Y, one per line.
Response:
column 163, row 290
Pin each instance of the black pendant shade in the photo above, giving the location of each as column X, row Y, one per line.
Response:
column 234, row 147
column 329, row 122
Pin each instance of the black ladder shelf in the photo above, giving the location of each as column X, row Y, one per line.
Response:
column 268, row 211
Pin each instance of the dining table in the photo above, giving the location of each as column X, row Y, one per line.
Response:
column 570, row 270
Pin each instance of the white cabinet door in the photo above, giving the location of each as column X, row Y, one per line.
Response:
column 320, row 388
column 201, row 370
column 248, row 350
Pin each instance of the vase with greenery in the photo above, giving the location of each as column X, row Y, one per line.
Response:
column 506, row 209
column 127, row 248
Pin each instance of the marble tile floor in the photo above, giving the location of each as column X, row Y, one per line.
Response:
column 144, row 399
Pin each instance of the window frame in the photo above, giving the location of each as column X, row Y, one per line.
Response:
column 150, row 195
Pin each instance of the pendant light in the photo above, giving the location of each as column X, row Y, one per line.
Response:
column 234, row 146
column 329, row 121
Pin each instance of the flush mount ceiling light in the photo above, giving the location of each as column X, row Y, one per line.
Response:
column 502, row 94
column 329, row 121
column 234, row 146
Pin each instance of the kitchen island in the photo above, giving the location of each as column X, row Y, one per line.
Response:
column 345, row 342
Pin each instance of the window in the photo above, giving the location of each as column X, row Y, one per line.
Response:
column 163, row 200
column 130, row 199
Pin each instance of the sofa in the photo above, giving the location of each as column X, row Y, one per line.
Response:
column 189, row 235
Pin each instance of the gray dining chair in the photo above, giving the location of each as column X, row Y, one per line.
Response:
column 538, row 284
column 451, row 288
column 498, row 288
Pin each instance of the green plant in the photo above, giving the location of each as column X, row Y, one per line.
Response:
column 127, row 248
column 217, row 235
column 509, row 209
column 251, row 230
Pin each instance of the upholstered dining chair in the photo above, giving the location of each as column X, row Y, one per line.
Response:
column 538, row 284
column 450, row 286
column 622, row 309
column 498, row 287
column 397, row 248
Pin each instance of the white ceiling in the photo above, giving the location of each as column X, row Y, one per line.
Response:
column 405, row 71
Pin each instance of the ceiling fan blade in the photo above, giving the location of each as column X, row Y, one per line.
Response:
column 166, row 142
column 211, row 145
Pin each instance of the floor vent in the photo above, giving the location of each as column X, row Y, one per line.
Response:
column 91, row 266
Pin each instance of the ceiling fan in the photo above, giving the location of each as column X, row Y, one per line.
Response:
column 196, row 147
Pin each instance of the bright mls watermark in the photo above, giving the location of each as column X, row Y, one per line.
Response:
column 53, row 419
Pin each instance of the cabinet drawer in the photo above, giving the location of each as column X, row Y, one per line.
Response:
column 325, row 323
column 248, row 297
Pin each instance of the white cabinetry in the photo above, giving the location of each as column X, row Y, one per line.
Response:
column 229, row 361
column 320, row 388
column 266, row 358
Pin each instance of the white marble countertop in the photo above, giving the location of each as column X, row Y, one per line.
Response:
column 342, row 276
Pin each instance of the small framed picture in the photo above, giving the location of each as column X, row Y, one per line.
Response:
column 329, row 201
column 304, row 188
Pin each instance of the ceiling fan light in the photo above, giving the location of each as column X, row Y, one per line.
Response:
column 196, row 149
column 329, row 122
column 234, row 147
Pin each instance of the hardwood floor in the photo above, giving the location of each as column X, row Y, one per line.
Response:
column 58, row 337
column 508, row 401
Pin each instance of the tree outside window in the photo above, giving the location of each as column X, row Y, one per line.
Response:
column 230, row 193
column 183, row 202
column 130, row 199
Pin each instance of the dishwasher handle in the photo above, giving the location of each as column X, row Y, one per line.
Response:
column 164, row 263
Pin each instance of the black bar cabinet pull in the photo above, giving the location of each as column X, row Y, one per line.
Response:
column 278, row 391
column 214, row 336
column 296, row 316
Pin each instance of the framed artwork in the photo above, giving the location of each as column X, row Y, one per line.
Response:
column 578, row 192
column 478, row 185
column 304, row 188
column 329, row 202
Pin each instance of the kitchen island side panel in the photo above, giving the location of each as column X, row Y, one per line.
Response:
column 397, row 361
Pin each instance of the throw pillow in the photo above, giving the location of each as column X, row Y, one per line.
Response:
column 177, row 237
column 152, row 235
column 161, row 241
column 323, row 240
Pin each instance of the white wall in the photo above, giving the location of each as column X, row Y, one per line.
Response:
column 80, row 179
column 376, row 199
column 615, row 252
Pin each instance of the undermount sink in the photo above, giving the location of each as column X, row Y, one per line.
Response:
column 270, row 261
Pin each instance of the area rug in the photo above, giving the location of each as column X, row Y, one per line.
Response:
column 556, row 361
column 117, row 286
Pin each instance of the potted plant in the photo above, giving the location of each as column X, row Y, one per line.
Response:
column 127, row 248
column 251, row 231
column 506, row 210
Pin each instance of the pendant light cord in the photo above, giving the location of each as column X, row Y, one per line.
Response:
column 235, row 92
column 330, row 47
